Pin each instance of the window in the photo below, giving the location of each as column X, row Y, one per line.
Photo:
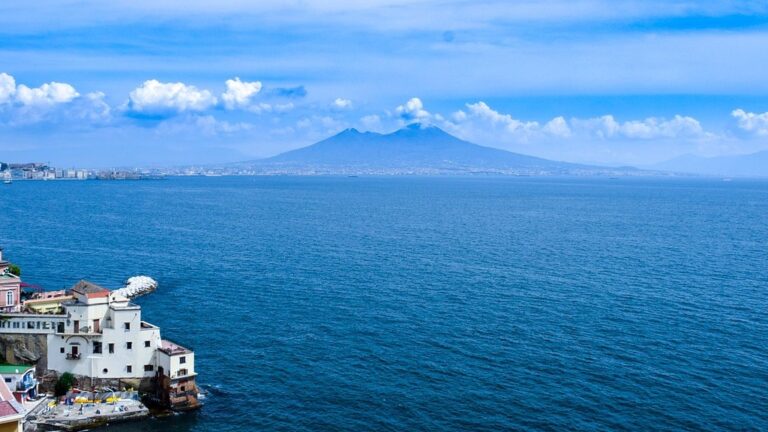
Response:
column 129, row 368
column 127, row 326
column 77, row 326
column 111, row 348
column 182, row 372
column 61, row 350
column 60, row 327
column 148, row 368
column 96, row 347
column 105, row 371
column 9, row 298
column 129, row 345
column 8, row 380
column 182, row 359
column 146, row 344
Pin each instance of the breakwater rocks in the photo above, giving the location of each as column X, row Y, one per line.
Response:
column 138, row 286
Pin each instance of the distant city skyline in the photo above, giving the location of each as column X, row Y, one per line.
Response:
column 97, row 84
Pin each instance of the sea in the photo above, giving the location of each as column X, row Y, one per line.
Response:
column 430, row 303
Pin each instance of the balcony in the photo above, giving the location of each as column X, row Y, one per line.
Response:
column 73, row 356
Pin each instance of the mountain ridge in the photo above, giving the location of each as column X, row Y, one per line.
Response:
column 416, row 148
column 747, row 165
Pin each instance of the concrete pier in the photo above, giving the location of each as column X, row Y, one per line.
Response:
column 88, row 415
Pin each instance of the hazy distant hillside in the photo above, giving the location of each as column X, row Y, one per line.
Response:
column 751, row 165
column 415, row 148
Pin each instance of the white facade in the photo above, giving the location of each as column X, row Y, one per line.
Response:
column 101, row 335
column 25, row 323
column 104, row 337
column 177, row 362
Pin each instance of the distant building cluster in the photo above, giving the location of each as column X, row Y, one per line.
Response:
column 10, row 172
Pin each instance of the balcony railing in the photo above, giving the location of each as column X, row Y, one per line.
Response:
column 73, row 356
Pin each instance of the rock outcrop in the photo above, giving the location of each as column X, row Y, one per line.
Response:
column 31, row 349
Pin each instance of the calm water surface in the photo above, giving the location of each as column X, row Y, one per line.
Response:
column 431, row 303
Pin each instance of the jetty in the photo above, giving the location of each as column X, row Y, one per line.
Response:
column 82, row 411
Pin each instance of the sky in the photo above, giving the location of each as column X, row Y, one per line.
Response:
column 90, row 83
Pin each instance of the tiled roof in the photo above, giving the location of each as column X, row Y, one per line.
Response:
column 87, row 287
column 7, row 409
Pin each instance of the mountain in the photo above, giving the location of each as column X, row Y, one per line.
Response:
column 414, row 149
column 750, row 165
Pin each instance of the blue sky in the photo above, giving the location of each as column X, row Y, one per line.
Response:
column 94, row 83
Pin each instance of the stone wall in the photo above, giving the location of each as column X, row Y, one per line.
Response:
column 49, row 378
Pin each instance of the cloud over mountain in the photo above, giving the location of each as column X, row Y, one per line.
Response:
column 413, row 110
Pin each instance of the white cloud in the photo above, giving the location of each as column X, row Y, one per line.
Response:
column 239, row 94
column 47, row 94
column 558, row 126
column 7, row 88
column 93, row 107
column 481, row 111
column 480, row 123
column 54, row 102
column 263, row 107
column 154, row 97
column 341, row 103
column 413, row 110
column 608, row 127
column 752, row 122
column 206, row 125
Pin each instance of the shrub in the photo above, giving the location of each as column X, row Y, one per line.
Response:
column 14, row 269
column 63, row 384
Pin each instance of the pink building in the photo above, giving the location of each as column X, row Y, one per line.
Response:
column 10, row 288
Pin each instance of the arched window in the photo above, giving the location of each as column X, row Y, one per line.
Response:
column 9, row 298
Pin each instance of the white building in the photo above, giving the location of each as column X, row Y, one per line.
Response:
column 104, row 337
column 101, row 335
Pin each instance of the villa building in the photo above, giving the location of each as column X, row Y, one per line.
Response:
column 93, row 332
column 10, row 287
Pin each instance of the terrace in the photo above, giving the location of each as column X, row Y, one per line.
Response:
column 171, row 348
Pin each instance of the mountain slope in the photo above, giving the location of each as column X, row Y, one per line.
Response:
column 751, row 165
column 416, row 147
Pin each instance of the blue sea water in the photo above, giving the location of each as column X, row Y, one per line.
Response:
column 333, row 303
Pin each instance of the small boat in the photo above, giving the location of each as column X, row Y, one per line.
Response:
column 7, row 181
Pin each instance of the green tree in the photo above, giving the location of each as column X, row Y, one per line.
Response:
column 63, row 384
column 14, row 269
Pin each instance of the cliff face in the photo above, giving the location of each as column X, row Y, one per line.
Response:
column 25, row 349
